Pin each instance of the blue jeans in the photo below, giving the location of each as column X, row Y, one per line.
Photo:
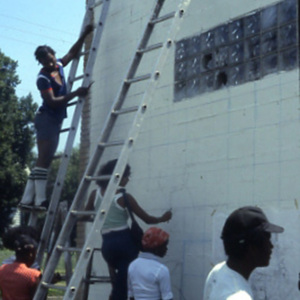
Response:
column 119, row 250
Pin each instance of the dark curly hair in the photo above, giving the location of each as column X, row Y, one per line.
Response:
column 24, row 246
column 107, row 169
column 41, row 52
column 13, row 233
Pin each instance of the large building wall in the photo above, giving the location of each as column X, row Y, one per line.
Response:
column 206, row 155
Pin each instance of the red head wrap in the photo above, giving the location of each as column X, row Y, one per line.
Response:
column 154, row 237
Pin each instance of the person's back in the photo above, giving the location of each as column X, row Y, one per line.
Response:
column 148, row 278
column 17, row 281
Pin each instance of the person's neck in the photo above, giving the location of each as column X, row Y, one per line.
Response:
column 241, row 266
column 20, row 261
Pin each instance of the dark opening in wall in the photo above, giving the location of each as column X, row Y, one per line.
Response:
column 246, row 49
column 221, row 80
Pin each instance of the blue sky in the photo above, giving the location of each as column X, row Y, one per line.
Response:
column 24, row 25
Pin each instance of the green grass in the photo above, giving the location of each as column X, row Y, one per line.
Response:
column 4, row 253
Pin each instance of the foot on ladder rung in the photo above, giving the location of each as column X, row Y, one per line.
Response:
column 163, row 18
column 32, row 208
column 137, row 79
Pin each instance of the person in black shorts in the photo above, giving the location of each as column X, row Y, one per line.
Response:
column 51, row 83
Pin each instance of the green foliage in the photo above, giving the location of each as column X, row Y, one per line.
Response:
column 71, row 180
column 16, row 140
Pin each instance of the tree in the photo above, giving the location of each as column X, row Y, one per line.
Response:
column 70, row 184
column 16, row 140
column 71, row 180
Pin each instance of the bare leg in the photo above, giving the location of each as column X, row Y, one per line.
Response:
column 46, row 151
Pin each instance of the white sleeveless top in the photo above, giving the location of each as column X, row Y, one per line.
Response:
column 117, row 216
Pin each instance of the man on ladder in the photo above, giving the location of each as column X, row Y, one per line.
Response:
column 52, row 85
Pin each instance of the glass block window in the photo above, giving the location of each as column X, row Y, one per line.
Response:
column 246, row 49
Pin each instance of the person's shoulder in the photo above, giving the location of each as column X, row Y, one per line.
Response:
column 33, row 272
column 219, row 267
column 43, row 77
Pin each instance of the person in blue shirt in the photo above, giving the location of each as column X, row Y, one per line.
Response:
column 51, row 83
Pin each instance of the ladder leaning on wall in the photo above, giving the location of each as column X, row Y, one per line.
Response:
column 77, row 211
column 86, row 81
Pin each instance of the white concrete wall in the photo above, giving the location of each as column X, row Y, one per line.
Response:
column 210, row 154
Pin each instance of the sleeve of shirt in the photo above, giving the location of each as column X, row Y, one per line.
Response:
column 43, row 83
column 35, row 277
column 165, row 284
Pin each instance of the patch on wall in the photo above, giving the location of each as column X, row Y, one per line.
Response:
column 245, row 49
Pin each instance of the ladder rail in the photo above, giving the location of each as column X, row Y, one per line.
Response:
column 57, row 190
column 91, row 241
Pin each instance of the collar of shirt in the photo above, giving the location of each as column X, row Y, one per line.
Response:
column 148, row 255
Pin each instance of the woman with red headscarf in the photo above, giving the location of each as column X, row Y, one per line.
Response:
column 148, row 278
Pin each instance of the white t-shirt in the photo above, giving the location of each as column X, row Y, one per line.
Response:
column 149, row 279
column 223, row 283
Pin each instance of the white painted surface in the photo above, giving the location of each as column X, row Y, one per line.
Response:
column 208, row 155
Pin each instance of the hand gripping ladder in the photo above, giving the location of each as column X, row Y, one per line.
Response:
column 76, row 211
column 92, row 53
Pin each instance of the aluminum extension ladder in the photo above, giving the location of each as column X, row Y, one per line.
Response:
column 86, row 81
column 77, row 208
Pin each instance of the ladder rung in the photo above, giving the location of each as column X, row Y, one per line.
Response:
column 78, row 78
column 53, row 286
column 84, row 52
column 72, row 103
column 83, row 213
column 104, row 177
column 150, row 48
column 96, row 4
column 66, row 129
column 111, row 144
column 68, row 249
column 138, row 78
column 125, row 110
column 163, row 18
column 98, row 279
column 57, row 157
